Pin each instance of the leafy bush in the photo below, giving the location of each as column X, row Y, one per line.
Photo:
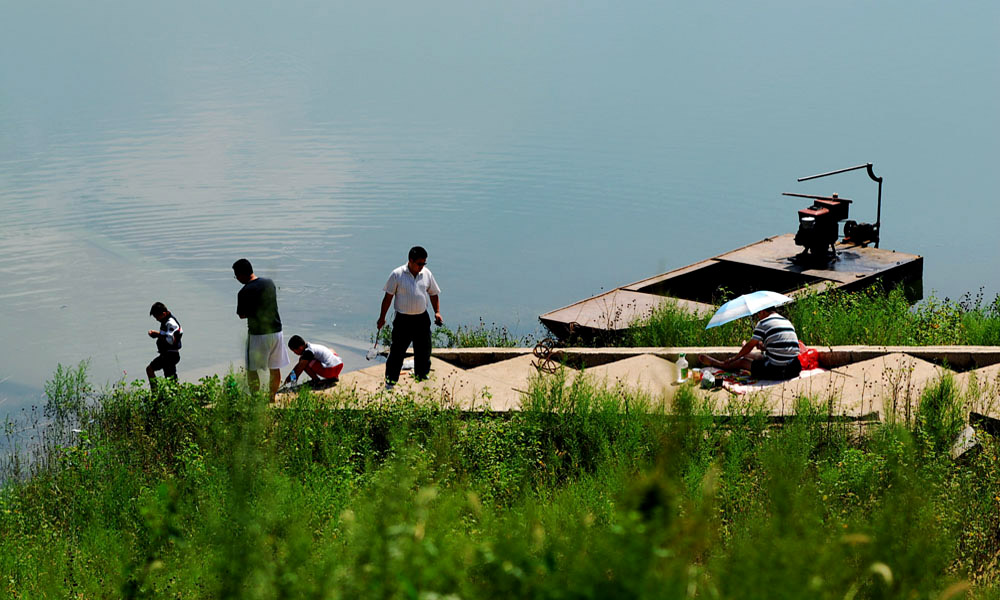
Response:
column 480, row 335
column 67, row 394
column 834, row 317
column 200, row 491
column 941, row 413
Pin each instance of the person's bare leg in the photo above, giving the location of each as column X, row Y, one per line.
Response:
column 708, row 361
column 726, row 365
column 311, row 373
column 275, row 382
column 253, row 381
column 742, row 363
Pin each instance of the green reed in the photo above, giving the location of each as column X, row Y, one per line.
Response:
column 870, row 317
column 589, row 492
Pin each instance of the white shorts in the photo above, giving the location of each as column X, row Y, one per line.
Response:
column 266, row 351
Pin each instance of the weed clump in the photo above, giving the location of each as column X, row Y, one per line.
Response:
column 870, row 317
column 200, row 491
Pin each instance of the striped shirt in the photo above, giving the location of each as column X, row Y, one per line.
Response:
column 777, row 335
column 410, row 294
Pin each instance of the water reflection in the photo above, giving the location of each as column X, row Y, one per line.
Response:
column 539, row 152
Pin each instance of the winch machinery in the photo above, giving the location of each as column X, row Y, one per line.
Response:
column 819, row 224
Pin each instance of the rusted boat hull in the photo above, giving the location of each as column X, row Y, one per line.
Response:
column 770, row 264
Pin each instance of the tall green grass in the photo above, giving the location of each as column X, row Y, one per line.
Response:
column 479, row 335
column 832, row 318
column 202, row 492
column 869, row 317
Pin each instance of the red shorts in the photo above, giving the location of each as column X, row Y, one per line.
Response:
column 325, row 372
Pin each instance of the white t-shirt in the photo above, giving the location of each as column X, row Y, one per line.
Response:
column 410, row 294
column 326, row 357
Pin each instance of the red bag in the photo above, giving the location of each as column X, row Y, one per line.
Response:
column 808, row 357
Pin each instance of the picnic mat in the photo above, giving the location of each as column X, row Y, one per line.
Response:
column 741, row 383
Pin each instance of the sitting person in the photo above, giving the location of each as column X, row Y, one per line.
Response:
column 317, row 361
column 775, row 335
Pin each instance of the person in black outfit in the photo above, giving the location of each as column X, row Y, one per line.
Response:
column 257, row 302
column 168, row 344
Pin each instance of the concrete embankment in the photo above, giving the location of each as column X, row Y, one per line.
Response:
column 858, row 381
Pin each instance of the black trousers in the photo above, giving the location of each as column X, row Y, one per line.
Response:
column 762, row 369
column 168, row 362
column 407, row 329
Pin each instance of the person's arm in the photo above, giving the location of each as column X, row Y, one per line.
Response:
column 297, row 369
column 747, row 348
column 433, row 292
column 386, row 303
column 437, row 310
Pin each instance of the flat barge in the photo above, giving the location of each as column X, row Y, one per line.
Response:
column 814, row 259
column 769, row 264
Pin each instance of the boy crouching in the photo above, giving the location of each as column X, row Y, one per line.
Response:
column 315, row 360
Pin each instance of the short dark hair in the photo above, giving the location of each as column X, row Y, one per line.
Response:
column 242, row 267
column 296, row 342
column 417, row 253
column 157, row 309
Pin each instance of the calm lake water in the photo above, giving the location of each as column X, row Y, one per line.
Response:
column 541, row 151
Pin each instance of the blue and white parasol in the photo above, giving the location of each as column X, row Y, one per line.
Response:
column 746, row 305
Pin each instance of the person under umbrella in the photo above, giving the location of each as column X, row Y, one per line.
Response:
column 774, row 335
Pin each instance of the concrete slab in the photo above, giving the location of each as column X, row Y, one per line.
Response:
column 957, row 357
column 468, row 358
column 517, row 373
column 877, row 380
column 610, row 311
column 450, row 384
column 368, row 379
column 984, row 396
column 472, row 390
column 645, row 373
column 447, row 384
column 885, row 384
column 498, row 386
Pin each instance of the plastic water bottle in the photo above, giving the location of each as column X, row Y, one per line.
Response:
column 707, row 381
column 682, row 364
column 291, row 378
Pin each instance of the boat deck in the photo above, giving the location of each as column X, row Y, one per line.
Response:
column 764, row 265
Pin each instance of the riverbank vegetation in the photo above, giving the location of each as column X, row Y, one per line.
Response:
column 479, row 335
column 834, row 318
column 202, row 492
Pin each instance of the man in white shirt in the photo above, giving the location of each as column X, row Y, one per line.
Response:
column 411, row 285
